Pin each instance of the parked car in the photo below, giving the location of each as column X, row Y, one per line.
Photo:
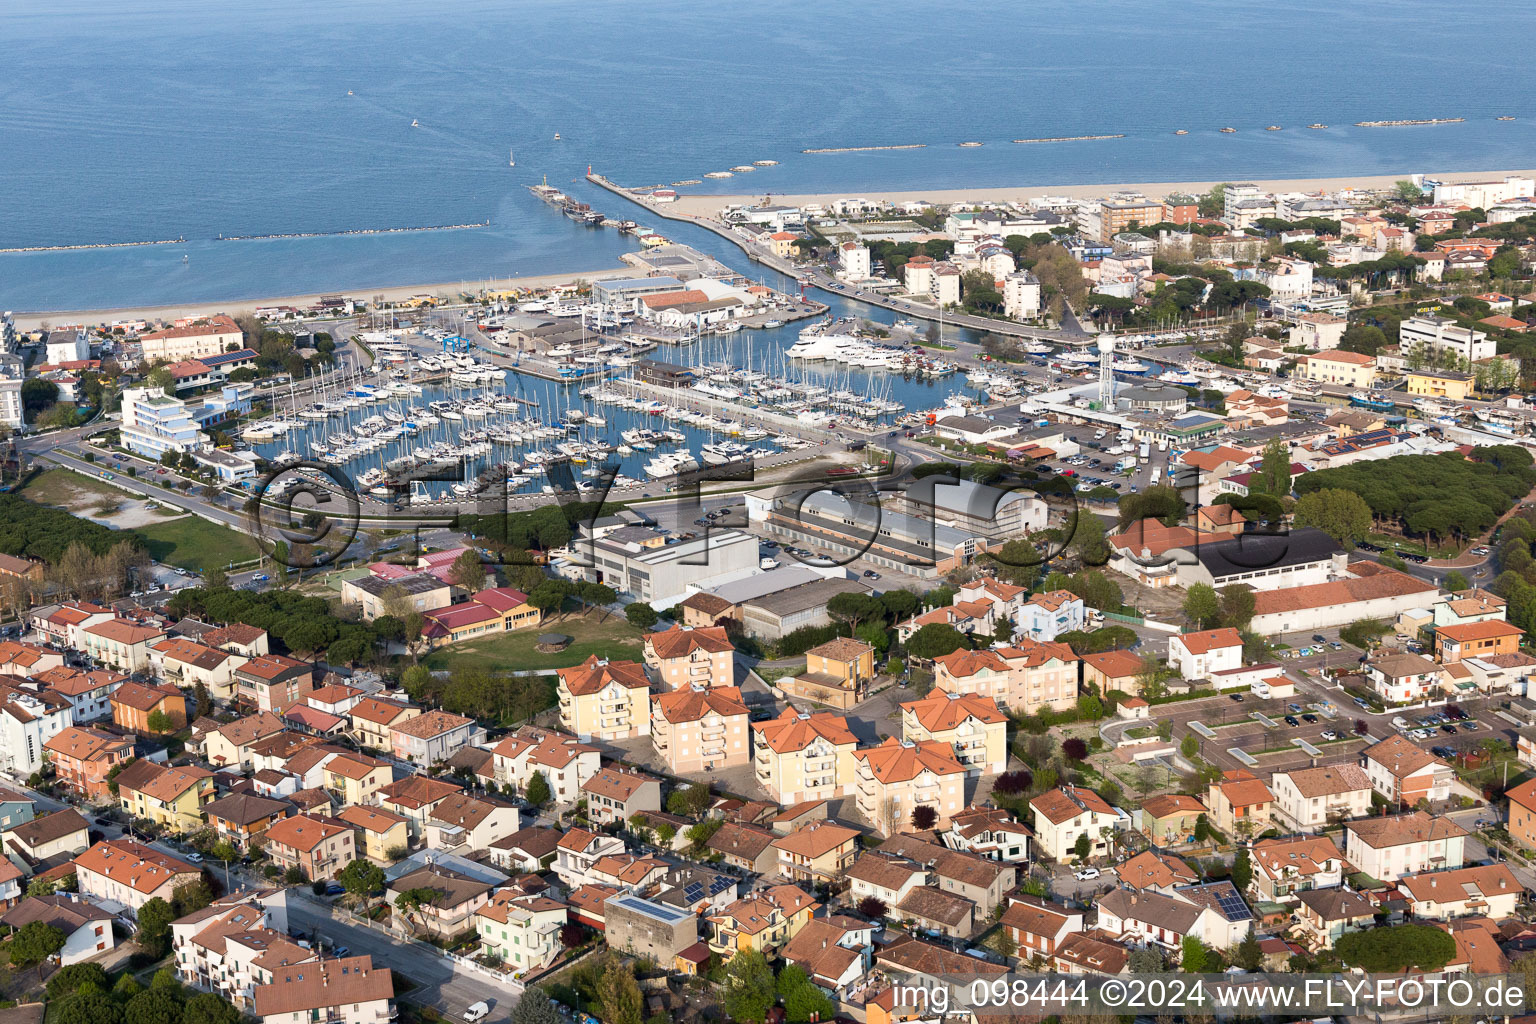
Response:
column 1309, row 719
column 1086, row 874
column 477, row 1011
column 1292, row 721
column 1319, row 638
column 1448, row 728
column 1236, row 697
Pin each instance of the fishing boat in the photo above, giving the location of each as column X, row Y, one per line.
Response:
column 1228, row 131
column 1374, row 400
column 1504, row 117
column 1272, row 128
column 1317, row 126
column 557, row 136
column 1181, row 131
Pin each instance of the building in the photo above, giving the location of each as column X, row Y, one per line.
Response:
column 1370, row 591
column 1386, row 849
column 40, row 843
column 521, row 930
column 1151, row 869
column 66, row 345
column 318, row 845
column 897, row 777
column 1038, row 926
column 649, row 566
column 154, row 423
column 348, row 990
column 1448, row 384
column 1346, row 369
column 273, row 682
column 818, row 852
column 493, row 610
column 1264, row 562
column 1044, row 617
column 431, row 737
column 615, row 794
column 970, row 725
column 1022, row 296
column 1201, row 655
column 171, row 797
column 982, row 510
column 373, row 594
column 83, row 757
column 1439, row 335
column 1405, row 773
column 1317, row 332
column 837, row 673
column 1284, row 867
column 989, row 832
column 1151, row 918
column 415, row 798
column 1025, row 677
column 1487, row 890
column 134, row 705
column 606, row 700
column 234, row 945
column 240, row 817
column 1327, row 913
column 185, row 662
column 564, row 762
column 230, row 745
column 701, row 728
column 745, row 847
column 121, row 644
column 684, row 656
column 87, row 927
column 1239, row 803
column 1169, row 819
column 1306, row 799
column 374, row 720
column 377, row 833
column 130, row 873
column 448, row 912
column 835, row 952
column 465, row 824
column 1485, row 639
column 766, row 921
column 1063, row 816
column 208, row 336
column 801, row 756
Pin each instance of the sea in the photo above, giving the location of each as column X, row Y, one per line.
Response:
column 196, row 120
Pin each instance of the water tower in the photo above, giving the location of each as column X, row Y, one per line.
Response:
column 1106, row 345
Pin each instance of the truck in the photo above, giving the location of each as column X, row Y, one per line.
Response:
column 1146, row 449
column 1129, row 462
column 1157, row 472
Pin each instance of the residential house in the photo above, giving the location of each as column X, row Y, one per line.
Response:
column 699, row 728
column 430, row 737
column 1239, row 803
column 521, row 930
column 186, row 662
column 135, row 704
column 837, row 673
column 89, row 693
column 1229, row 921
column 1066, row 814
column 564, row 762
column 450, row 910
column 684, row 656
column 318, row 845
column 529, row 850
column 171, row 797
column 82, row 758
column 415, row 797
column 1201, row 655
column 348, row 990
column 1522, row 812
column 885, row 877
column 1386, row 849
column 1169, row 819
column 465, row 824
column 897, row 777
column 745, row 847
column 577, row 854
column 933, row 910
column 819, row 852
column 120, row 643
column 1152, row 869
column 1151, row 918
column 606, row 700
column 1286, row 866
column 15, row 808
column 981, row 880
column 1110, row 671
column 374, row 719
column 1326, row 914
column 1487, row 890
column 1306, row 799
column 87, row 927
column 241, row 817
column 971, row 725
column 376, row 832
column 130, row 873
column 1484, row 639
column 913, row 961
column 1091, row 952
column 356, row 778
column 39, row 844
column 1402, row 678
column 273, row 682
column 616, row 794
column 335, row 699
column 802, row 756
column 989, row 832
column 1406, row 773
column 765, row 921
column 1046, row 616
column 835, row 952
column 1025, row 677
column 229, row 746
column 1038, row 926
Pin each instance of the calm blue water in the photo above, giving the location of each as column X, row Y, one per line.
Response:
column 144, row 119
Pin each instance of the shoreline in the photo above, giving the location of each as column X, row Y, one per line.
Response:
column 701, row 204
column 31, row 319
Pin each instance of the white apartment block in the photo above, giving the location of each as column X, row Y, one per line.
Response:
column 1021, row 296
column 1441, row 334
column 853, row 262
column 154, row 424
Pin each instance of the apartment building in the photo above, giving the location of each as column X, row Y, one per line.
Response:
column 1240, row 803
column 376, row 832
column 318, row 845
column 154, row 423
column 564, row 762
column 1025, row 677
column 686, row 656
column 29, row 722
column 208, row 336
column 187, row 663
column 766, row 920
column 616, row 794
column 135, row 704
column 1346, row 369
column 130, row 873
column 273, row 682
column 172, row 797
column 1440, row 334
column 348, row 990
column 818, row 852
column 1406, row 773
column 1284, row 867
column 897, row 777
column 431, row 737
column 373, row 721
column 837, row 673
column 82, row 758
column 605, row 700
column 1306, row 799
column 521, row 930
column 120, row 643
column 232, row 947
column 801, row 756
column 241, row 817
column 971, row 725
column 700, row 728
column 1386, row 849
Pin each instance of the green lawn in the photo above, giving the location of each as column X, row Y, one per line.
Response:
column 613, row 638
column 63, row 488
column 193, row 543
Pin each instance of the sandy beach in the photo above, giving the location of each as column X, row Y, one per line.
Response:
column 26, row 321
column 702, row 206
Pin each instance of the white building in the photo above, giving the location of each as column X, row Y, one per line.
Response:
column 1307, row 798
column 1288, row 279
column 853, row 261
column 944, row 284
column 1389, row 848
column 11, row 414
column 154, row 424
column 1201, row 655
column 27, row 721
column 1441, row 334
column 1021, row 295
column 193, row 339
column 1063, row 814
column 66, row 345
column 1483, row 194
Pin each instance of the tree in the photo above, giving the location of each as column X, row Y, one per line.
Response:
column 1083, row 846
column 1404, row 947
column 924, row 817
column 1193, row 955
column 1455, row 581
column 1342, row 515
column 803, row 1001
column 1075, row 749
column 467, row 571
column 572, row 934
column 1090, row 708
column 1362, row 727
column 1242, row 870
column 936, row 640
column 1237, row 606
column 190, row 897
column 155, row 1005
column 535, row 1007
column 1249, row 957
column 1202, row 829
column 155, row 919
column 1201, row 606
column 691, row 801
column 1145, row 961
column 1189, row 746
column 537, row 792
column 362, row 878
column 640, row 615
column 1088, row 538
column 873, row 907
column 162, row 378
column 1275, row 469
column 159, row 722
column 91, row 1006
column 619, row 995
column 34, row 944
column 749, row 987
column 1017, row 562
column 854, row 607
column 207, row 1008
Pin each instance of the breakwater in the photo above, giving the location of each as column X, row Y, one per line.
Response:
column 1417, row 120
column 866, row 149
column 1070, row 138
column 91, row 245
column 249, row 238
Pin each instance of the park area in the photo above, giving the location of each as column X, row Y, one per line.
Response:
column 596, row 632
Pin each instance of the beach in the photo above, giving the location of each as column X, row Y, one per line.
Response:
column 708, row 205
column 27, row 321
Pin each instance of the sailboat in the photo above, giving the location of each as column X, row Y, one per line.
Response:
column 511, row 159
column 415, row 123
column 557, row 136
